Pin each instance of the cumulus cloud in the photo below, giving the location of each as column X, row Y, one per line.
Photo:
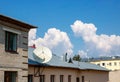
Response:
column 58, row 41
column 97, row 44
column 82, row 54
column 32, row 36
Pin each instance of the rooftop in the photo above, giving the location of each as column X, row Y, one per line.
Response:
column 104, row 58
column 56, row 61
column 16, row 22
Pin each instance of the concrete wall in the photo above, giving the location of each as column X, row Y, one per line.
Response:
column 90, row 76
column 114, row 76
column 95, row 76
column 14, row 61
column 109, row 64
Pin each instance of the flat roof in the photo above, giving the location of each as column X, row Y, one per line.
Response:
column 16, row 22
column 105, row 59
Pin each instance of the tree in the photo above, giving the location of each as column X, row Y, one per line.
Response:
column 77, row 58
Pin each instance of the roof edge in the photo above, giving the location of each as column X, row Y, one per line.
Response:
column 16, row 22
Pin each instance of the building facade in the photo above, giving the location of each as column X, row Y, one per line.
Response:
column 57, row 70
column 110, row 63
column 13, row 50
column 62, row 74
column 114, row 76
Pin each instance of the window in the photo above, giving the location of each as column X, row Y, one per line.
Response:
column 61, row 78
column 98, row 64
column 42, row 78
column 103, row 64
column 115, row 63
column 10, row 41
column 77, row 79
column 83, row 79
column 30, row 78
column 10, row 76
column 69, row 78
column 110, row 64
column 52, row 78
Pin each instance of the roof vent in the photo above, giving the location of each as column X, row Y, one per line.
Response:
column 70, row 61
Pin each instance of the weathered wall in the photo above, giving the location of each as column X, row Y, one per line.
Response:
column 95, row 76
column 90, row 76
column 113, row 64
column 114, row 76
column 14, row 61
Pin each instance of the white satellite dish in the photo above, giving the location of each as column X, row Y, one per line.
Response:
column 42, row 54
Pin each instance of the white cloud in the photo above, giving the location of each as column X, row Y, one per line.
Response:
column 97, row 44
column 82, row 54
column 32, row 36
column 58, row 41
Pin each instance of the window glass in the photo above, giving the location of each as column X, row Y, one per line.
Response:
column 83, row 79
column 115, row 63
column 69, row 78
column 30, row 78
column 52, row 78
column 61, row 78
column 110, row 64
column 42, row 78
column 103, row 64
column 10, row 76
column 10, row 41
column 98, row 64
column 77, row 79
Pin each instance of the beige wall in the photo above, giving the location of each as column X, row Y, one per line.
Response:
column 114, row 76
column 95, row 76
column 115, row 64
column 90, row 76
column 11, row 61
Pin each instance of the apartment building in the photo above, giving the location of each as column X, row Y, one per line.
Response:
column 13, row 50
column 111, row 63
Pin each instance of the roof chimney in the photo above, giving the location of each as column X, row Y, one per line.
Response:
column 65, row 57
column 33, row 46
column 70, row 60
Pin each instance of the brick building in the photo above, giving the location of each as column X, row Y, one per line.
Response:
column 13, row 50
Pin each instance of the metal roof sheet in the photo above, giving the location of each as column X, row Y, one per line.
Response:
column 87, row 65
column 56, row 61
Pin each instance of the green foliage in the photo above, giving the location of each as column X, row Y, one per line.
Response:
column 77, row 58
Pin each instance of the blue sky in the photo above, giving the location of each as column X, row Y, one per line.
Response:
column 61, row 14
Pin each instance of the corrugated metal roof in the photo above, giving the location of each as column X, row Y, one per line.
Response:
column 56, row 61
column 32, row 62
column 87, row 65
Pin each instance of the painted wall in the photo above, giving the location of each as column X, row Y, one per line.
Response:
column 109, row 64
column 90, row 75
column 114, row 76
column 95, row 76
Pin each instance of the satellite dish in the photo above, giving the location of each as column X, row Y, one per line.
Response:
column 42, row 54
